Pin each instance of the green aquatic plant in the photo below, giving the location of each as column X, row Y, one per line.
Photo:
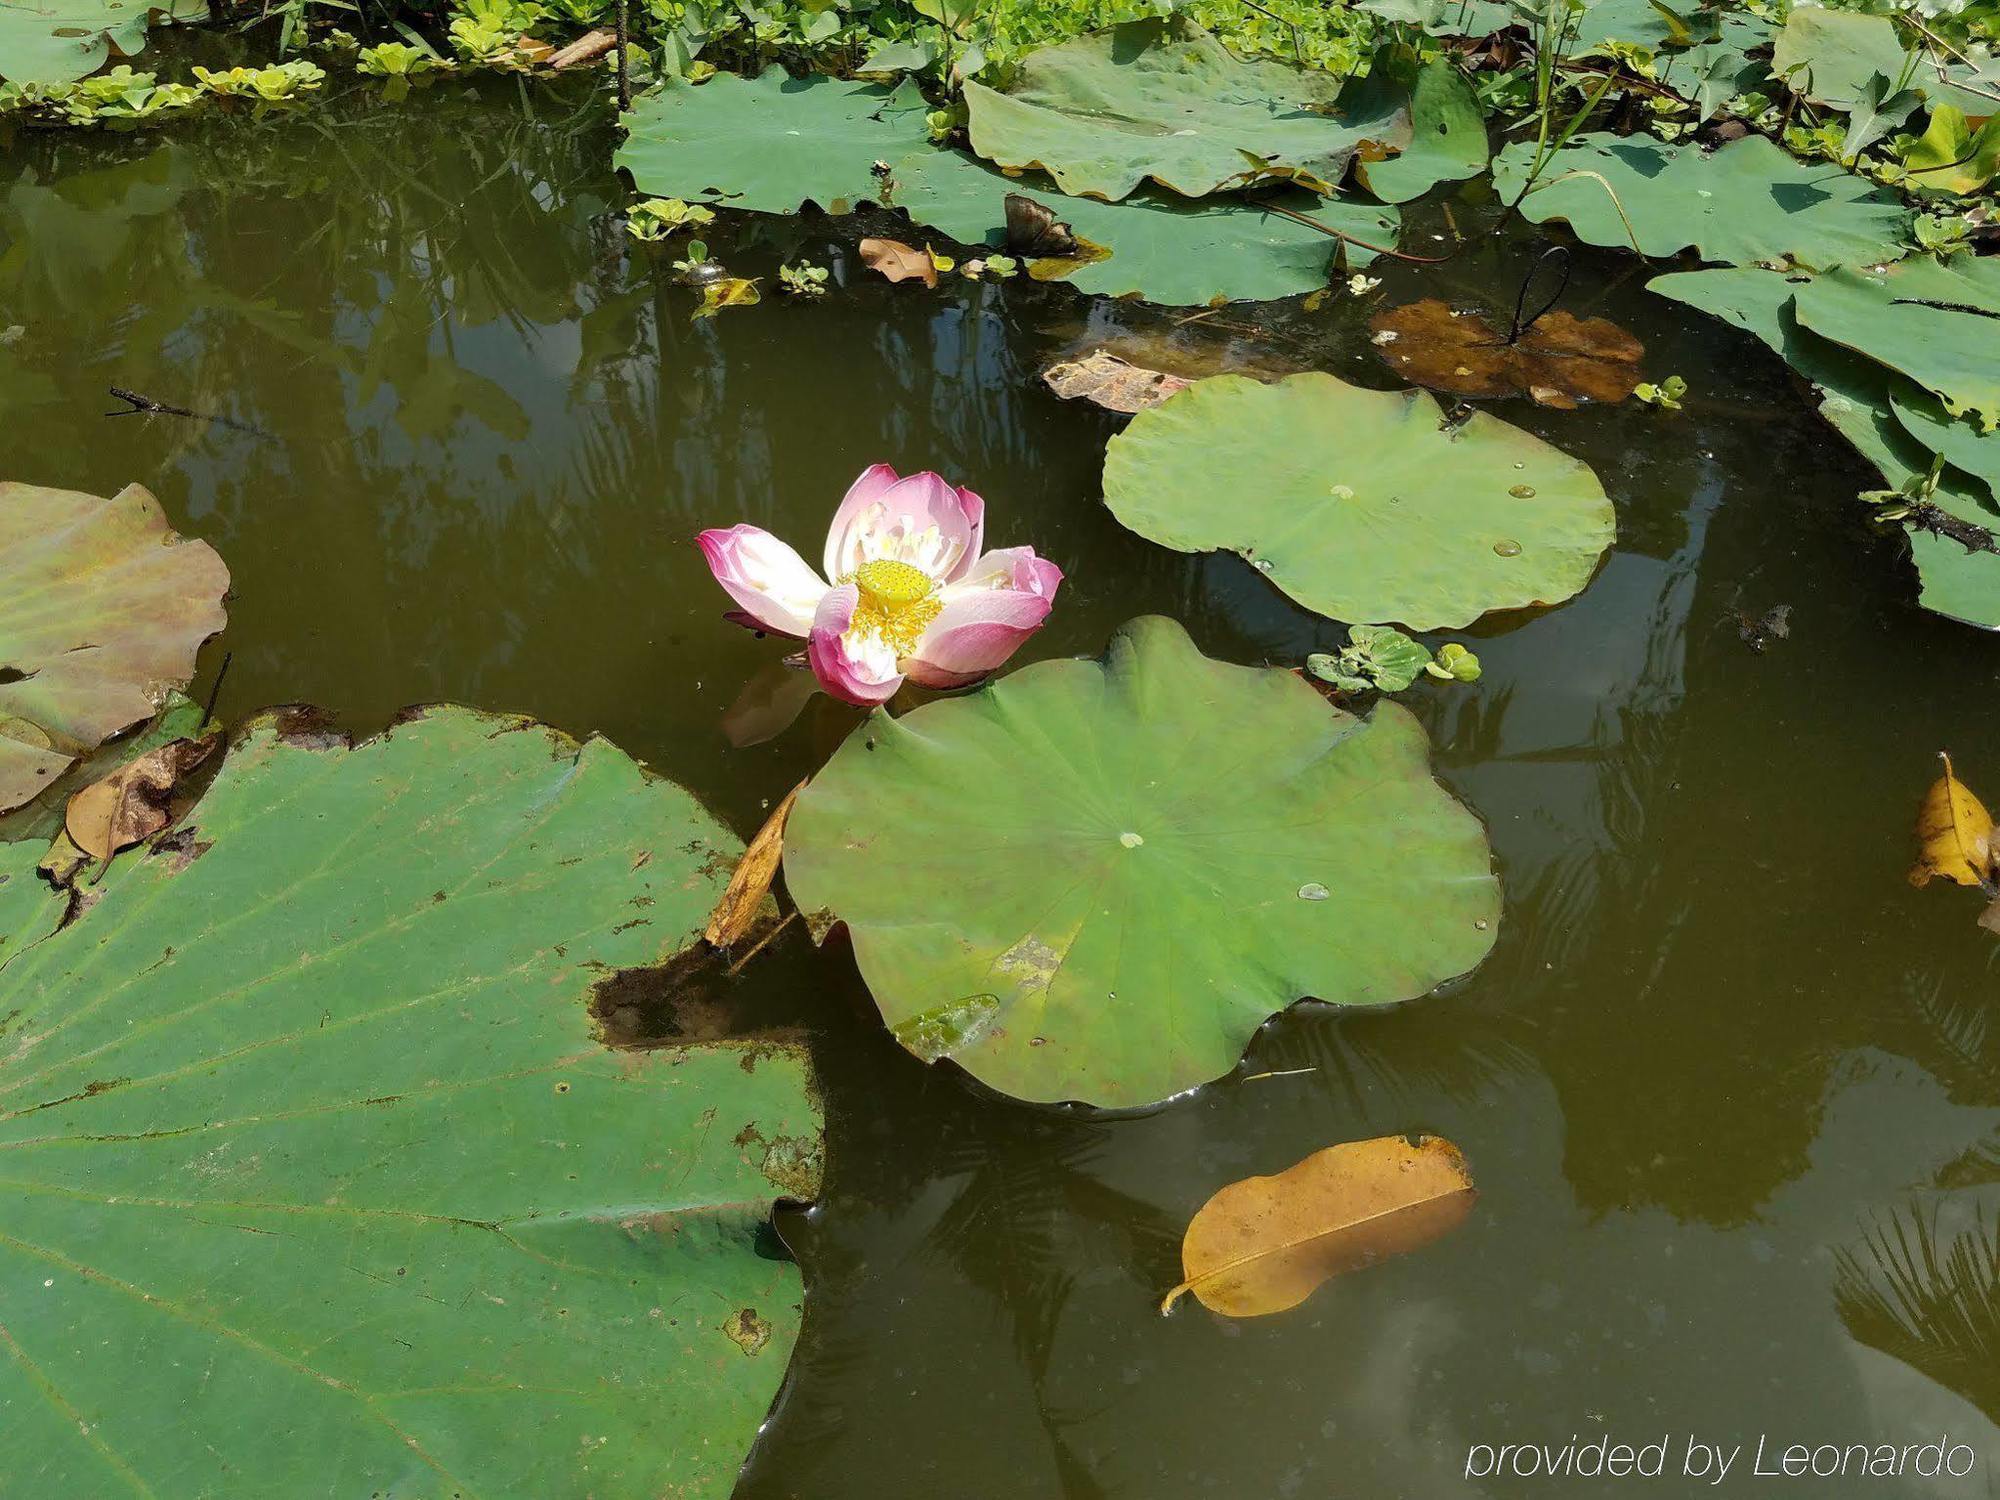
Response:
column 1380, row 658
column 284, row 81
column 292, row 1079
column 59, row 41
column 656, row 218
column 397, row 60
column 1666, row 395
column 1096, row 880
column 1430, row 522
column 803, row 280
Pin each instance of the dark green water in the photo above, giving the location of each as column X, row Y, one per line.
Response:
column 1720, row 1036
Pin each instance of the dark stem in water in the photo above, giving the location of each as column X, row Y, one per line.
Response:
column 1527, row 283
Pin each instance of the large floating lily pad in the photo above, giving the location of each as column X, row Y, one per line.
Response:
column 1361, row 505
column 304, row 1112
column 1161, row 100
column 1160, row 248
column 55, row 41
column 1748, row 203
column 1096, row 880
column 102, row 608
column 1958, row 440
column 771, row 143
column 1936, row 322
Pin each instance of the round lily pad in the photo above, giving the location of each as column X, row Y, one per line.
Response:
column 56, row 41
column 1096, row 879
column 1161, row 100
column 1932, row 321
column 102, row 608
column 771, row 143
column 318, row 1181
column 1362, row 505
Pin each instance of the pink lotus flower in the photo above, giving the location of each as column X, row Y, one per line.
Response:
column 911, row 595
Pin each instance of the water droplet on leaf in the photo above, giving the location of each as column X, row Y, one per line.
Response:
column 1507, row 548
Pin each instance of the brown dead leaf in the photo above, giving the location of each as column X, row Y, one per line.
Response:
column 1106, row 380
column 898, row 262
column 131, row 803
column 1559, row 361
column 592, row 45
column 1265, row 1244
column 743, row 902
column 1954, row 835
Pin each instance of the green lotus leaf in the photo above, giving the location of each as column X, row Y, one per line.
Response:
column 304, row 1104
column 1096, row 879
column 1829, row 56
column 1444, row 17
column 1160, row 247
column 1748, row 203
column 57, row 41
column 1447, row 137
column 1957, row 439
column 1866, row 405
column 1161, row 100
column 1936, row 322
column 771, row 143
column 102, row 608
column 1360, row 504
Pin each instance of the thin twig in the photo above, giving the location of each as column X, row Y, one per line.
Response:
column 138, row 405
column 762, row 943
column 624, row 64
column 215, row 692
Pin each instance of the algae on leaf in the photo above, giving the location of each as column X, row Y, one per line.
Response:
column 1155, row 245
column 306, row 1105
column 1747, row 203
column 1096, row 879
column 1161, row 100
column 771, row 143
column 1360, row 504
column 102, row 608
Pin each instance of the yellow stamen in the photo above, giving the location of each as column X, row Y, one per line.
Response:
column 897, row 602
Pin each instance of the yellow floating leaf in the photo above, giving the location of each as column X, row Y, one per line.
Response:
column 743, row 902
column 1954, row 834
column 1265, row 1244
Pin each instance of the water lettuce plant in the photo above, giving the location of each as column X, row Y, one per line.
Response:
column 909, row 591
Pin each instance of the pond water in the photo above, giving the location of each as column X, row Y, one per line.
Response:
column 1719, row 1040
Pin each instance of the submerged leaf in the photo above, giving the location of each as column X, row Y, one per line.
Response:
column 743, row 902
column 729, row 291
column 1559, row 361
column 1044, row 886
column 1265, row 1244
column 1954, row 834
column 1106, row 380
column 897, row 261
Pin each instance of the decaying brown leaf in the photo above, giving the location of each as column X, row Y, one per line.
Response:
column 743, row 902
column 1033, row 229
column 592, row 45
column 1954, row 834
column 1106, row 380
column 898, row 262
column 131, row 803
column 1265, row 1244
column 1559, row 360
